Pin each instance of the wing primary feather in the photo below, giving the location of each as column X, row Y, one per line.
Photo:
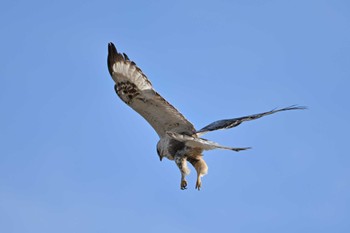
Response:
column 126, row 57
column 112, row 52
column 113, row 57
column 230, row 123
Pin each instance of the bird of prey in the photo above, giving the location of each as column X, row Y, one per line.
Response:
column 179, row 140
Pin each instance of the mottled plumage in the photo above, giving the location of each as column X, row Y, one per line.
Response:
column 179, row 140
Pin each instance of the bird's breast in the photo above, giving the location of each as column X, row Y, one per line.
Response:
column 169, row 147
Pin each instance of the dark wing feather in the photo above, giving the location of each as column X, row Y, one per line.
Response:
column 133, row 87
column 230, row 123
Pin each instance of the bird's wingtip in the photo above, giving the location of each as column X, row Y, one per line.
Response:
column 111, row 48
column 297, row 107
column 112, row 56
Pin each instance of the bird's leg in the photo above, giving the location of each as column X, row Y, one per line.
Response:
column 201, row 168
column 181, row 163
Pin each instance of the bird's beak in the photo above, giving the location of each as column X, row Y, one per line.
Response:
column 161, row 158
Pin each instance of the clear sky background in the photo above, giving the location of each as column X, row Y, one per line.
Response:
column 75, row 158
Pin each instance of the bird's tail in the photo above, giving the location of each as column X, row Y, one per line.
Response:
column 201, row 142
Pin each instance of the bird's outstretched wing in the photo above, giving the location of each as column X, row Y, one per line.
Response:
column 201, row 143
column 230, row 123
column 133, row 87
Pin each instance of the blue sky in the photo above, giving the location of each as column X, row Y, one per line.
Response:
column 75, row 158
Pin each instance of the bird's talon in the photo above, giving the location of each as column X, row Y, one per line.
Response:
column 198, row 185
column 183, row 184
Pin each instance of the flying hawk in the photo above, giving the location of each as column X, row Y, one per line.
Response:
column 179, row 140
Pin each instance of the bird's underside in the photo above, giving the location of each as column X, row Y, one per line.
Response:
column 179, row 140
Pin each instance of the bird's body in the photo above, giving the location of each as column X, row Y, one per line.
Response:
column 179, row 140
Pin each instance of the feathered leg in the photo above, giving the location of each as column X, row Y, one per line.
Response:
column 181, row 163
column 201, row 168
